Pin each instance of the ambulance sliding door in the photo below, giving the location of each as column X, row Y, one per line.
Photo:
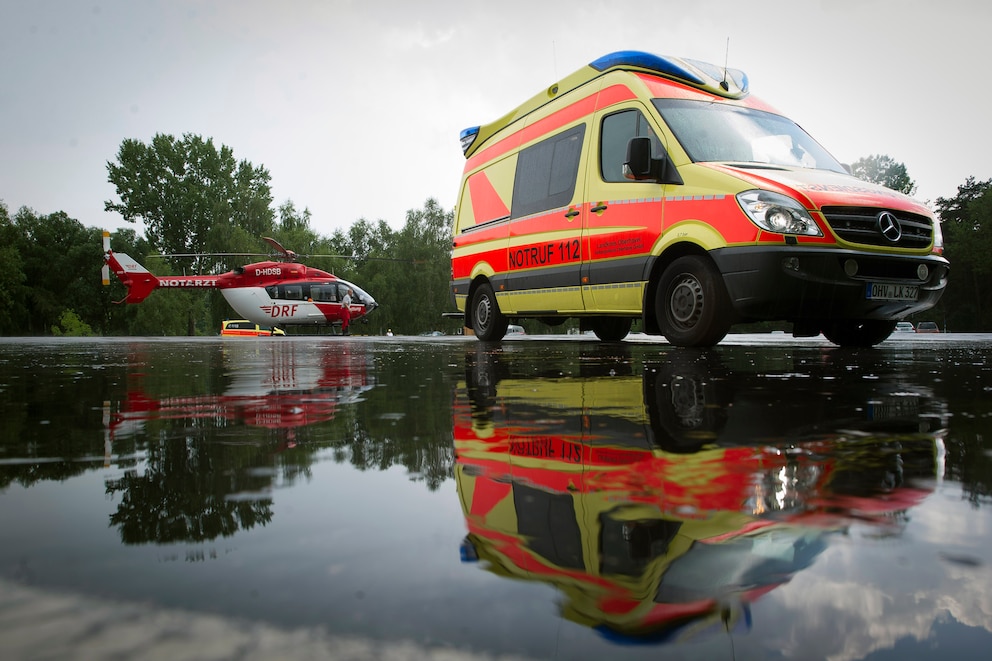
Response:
column 543, row 255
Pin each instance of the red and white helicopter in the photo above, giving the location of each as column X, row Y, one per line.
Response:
column 269, row 293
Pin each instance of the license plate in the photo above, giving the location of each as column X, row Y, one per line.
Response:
column 885, row 292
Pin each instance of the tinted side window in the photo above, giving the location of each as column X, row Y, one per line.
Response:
column 324, row 293
column 617, row 131
column 545, row 176
column 289, row 292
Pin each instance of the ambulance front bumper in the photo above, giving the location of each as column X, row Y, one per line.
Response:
column 799, row 283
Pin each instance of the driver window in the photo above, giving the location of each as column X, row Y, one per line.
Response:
column 617, row 130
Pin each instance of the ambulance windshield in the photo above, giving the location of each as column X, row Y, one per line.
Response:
column 724, row 133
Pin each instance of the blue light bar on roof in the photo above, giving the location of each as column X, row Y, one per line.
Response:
column 649, row 61
column 467, row 137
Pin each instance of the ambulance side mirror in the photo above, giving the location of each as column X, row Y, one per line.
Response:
column 641, row 166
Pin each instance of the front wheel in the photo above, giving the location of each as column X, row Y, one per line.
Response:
column 692, row 305
column 858, row 332
column 488, row 322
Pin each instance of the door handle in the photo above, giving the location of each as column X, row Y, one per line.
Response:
column 598, row 208
column 572, row 213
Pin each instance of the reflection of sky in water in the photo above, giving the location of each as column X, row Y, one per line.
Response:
column 865, row 594
column 861, row 594
column 360, row 554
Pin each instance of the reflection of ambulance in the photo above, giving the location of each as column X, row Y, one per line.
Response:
column 642, row 545
column 655, row 188
column 569, row 480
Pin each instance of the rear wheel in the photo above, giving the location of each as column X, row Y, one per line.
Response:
column 692, row 305
column 858, row 332
column 488, row 322
column 610, row 329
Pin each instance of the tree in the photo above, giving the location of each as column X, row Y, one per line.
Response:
column 70, row 325
column 293, row 230
column 966, row 220
column 61, row 263
column 880, row 169
column 12, row 278
column 407, row 271
column 190, row 195
column 193, row 199
column 426, row 242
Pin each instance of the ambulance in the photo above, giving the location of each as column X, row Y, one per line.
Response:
column 657, row 189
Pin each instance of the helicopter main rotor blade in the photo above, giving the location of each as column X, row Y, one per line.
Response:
column 378, row 259
column 210, row 254
column 288, row 254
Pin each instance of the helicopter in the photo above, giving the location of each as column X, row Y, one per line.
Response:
column 274, row 293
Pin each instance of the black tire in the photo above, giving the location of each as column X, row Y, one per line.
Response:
column 611, row 329
column 688, row 400
column 691, row 304
column 858, row 332
column 488, row 322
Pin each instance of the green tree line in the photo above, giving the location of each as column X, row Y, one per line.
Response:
column 193, row 198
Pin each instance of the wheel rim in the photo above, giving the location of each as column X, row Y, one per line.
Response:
column 483, row 312
column 685, row 304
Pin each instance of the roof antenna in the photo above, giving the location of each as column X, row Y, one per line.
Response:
column 554, row 57
column 726, row 58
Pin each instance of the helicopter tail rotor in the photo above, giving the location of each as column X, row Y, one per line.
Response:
column 105, row 271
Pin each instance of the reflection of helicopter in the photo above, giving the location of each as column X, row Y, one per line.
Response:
column 267, row 293
column 274, row 390
column 649, row 505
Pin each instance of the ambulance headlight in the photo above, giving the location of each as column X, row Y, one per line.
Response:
column 938, row 239
column 777, row 213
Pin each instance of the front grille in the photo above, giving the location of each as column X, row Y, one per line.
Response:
column 860, row 225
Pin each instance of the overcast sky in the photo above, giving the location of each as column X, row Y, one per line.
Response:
column 355, row 107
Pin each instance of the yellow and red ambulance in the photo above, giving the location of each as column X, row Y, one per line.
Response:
column 656, row 188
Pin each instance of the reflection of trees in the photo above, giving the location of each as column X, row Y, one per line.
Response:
column 180, row 497
column 969, row 461
column 406, row 424
column 205, row 479
column 51, row 409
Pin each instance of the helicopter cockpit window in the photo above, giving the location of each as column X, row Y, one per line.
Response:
column 294, row 292
column 272, row 291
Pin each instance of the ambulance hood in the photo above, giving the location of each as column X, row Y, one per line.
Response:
column 820, row 188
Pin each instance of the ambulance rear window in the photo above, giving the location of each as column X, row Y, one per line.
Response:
column 545, row 176
column 719, row 132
